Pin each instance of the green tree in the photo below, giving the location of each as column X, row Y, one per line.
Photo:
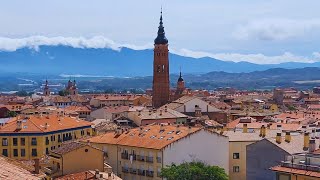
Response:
column 195, row 170
column 11, row 114
column 63, row 93
column 22, row 93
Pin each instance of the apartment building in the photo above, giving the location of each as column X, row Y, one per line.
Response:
column 30, row 137
column 140, row 153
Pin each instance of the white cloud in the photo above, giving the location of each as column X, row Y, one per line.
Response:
column 276, row 29
column 12, row 44
column 253, row 58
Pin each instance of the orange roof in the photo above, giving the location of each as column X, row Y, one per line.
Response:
column 148, row 137
column 78, row 176
column 296, row 171
column 78, row 108
column 42, row 124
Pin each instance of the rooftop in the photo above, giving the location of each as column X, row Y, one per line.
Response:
column 42, row 124
column 152, row 136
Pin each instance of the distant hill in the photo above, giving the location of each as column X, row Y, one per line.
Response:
column 127, row 62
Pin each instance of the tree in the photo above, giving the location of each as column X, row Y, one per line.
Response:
column 11, row 114
column 63, row 93
column 195, row 170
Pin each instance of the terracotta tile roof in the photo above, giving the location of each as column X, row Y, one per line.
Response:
column 296, row 171
column 68, row 147
column 78, row 108
column 61, row 99
column 41, row 124
column 148, row 137
column 85, row 175
column 158, row 114
column 15, row 170
column 117, row 97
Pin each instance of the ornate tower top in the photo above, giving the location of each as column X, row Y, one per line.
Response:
column 161, row 38
column 180, row 77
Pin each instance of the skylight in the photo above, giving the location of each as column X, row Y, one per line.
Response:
column 170, row 132
column 170, row 138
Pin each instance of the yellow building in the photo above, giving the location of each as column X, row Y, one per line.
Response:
column 140, row 153
column 74, row 157
column 30, row 137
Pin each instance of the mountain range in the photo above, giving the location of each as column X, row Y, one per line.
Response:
column 124, row 63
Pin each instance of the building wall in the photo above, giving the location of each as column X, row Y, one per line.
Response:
column 261, row 156
column 287, row 176
column 205, row 146
column 79, row 160
column 238, row 147
column 42, row 144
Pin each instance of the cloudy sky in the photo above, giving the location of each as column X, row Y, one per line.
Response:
column 259, row 31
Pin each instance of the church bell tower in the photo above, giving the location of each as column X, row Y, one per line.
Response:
column 161, row 84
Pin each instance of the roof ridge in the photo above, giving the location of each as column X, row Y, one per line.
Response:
column 35, row 125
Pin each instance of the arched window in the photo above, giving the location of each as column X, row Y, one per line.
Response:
column 162, row 68
column 158, row 68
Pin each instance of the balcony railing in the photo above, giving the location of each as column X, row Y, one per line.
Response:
column 125, row 170
column 133, row 171
column 149, row 173
column 141, row 172
column 149, row 159
column 300, row 166
column 140, row 158
column 124, row 156
column 158, row 159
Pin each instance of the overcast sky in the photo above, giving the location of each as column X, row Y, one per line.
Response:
column 260, row 31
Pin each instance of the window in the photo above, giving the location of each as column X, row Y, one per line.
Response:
column 34, row 152
column 15, row 152
column 5, row 152
column 236, row 156
column 51, row 138
column 47, row 140
column 47, row 150
column 22, row 141
column 15, row 141
column 34, row 141
column 236, row 169
column 4, row 142
column 23, row 152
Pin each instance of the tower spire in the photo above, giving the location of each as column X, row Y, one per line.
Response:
column 161, row 38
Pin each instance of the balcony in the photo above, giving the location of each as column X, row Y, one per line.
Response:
column 125, row 169
column 149, row 173
column 302, row 166
column 133, row 171
column 159, row 160
column 149, row 159
column 50, row 170
column 140, row 158
column 124, row 156
column 141, row 172
column 134, row 157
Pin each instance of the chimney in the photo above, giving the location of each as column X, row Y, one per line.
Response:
column 245, row 128
column 36, row 166
column 160, row 112
column 288, row 137
column 306, row 141
column 150, row 112
column 165, row 108
column 262, row 131
column 97, row 176
column 312, row 145
column 317, row 133
column 46, row 126
column 177, row 128
column 278, row 138
column 313, row 133
column 189, row 129
column 279, row 127
column 141, row 130
column 161, row 127
column 139, row 113
column 19, row 125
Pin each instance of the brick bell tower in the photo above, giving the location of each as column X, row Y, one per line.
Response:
column 161, row 84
